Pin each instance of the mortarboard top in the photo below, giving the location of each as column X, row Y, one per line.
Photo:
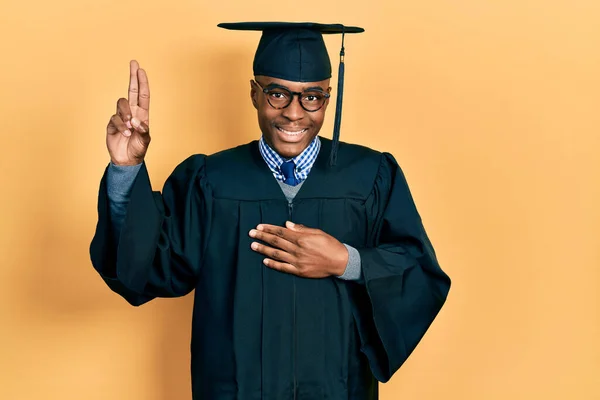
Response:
column 295, row 51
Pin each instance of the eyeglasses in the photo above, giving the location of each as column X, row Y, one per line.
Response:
column 280, row 97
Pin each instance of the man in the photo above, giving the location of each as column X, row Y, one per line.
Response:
column 313, row 275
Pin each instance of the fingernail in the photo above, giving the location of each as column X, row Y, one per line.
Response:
column 254, row 246
column 252, row 233
column 260, row 227
column 135, row 122
column 266, row 261
column 127, row 133
column 291, row 224
column 128, row 124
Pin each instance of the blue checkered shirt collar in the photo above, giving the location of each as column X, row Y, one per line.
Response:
column 303, row 162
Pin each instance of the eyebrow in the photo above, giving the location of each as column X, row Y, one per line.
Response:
column 276, row 85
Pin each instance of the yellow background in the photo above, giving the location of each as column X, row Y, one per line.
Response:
column 491, row 108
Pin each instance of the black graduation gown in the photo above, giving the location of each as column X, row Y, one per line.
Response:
column 258, row 333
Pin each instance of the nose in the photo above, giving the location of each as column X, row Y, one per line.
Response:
column 294, row 111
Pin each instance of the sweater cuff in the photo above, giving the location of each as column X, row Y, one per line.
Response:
column 119, row 180
column 353, row 268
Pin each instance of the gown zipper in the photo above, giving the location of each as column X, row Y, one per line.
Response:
column 295, row 339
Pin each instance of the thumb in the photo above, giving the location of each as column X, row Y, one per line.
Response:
column 140, row 126
column 295, row 227
column 143, row 131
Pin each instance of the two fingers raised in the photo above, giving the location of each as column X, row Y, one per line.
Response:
column 139, row 89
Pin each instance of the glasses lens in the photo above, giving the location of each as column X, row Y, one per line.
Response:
column 312, row 101
column 278, row 97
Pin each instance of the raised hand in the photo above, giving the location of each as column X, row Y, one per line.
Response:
column 128, row 132
column 302, row 251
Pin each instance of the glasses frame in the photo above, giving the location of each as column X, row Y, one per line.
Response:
column 292, row 94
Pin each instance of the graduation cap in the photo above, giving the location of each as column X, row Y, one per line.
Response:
column 295, row 51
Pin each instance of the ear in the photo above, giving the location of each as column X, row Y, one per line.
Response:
column 329, row 98
column 253, row 95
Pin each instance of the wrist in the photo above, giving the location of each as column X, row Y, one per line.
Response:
column 339, row 267
column 130, row 163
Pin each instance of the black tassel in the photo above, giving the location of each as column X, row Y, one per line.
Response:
column 338, row 108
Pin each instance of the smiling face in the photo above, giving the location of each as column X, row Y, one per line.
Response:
column 288, row 130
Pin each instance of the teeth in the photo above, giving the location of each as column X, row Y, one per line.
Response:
column 292, row 133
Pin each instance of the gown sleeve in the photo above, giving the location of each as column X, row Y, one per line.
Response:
column 161, row 243
column 404, row 286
